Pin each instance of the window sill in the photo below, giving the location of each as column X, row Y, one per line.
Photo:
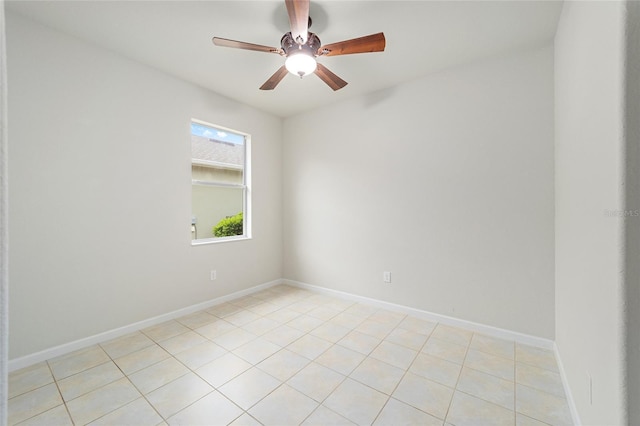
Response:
column 205, row 241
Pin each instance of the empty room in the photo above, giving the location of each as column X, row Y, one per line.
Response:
column 322, row 213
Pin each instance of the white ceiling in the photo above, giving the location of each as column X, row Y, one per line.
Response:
column 422, row 37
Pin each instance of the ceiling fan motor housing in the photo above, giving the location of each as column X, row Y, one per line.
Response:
column 289, row 45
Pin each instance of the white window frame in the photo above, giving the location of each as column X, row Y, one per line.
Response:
column 246, row 185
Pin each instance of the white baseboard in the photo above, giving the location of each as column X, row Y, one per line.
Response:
column 27, row 360
column 456, row 322
column 500, row 333
column 63, row 349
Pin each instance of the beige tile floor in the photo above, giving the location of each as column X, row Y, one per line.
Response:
column 287, row 356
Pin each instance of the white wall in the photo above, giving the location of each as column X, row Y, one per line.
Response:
column 446, row 181
column 99, row 238
column 589, row 59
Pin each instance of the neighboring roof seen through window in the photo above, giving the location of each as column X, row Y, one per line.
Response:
column 214, row 145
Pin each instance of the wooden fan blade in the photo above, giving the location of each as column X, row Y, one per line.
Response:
column 298, row 11
column 370, row 43
column 274, row 79
column 247, row 46
column 330, row 78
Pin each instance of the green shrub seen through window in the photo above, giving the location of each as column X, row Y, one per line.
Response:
column 229, row 226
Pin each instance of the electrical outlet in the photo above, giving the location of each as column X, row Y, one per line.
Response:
column 213, row 275
column 386, row 277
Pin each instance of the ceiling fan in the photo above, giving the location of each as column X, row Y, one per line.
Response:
column 301, row 48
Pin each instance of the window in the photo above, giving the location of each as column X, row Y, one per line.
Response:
column 219, row 184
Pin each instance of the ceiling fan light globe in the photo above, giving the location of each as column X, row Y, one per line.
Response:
column 300, row 64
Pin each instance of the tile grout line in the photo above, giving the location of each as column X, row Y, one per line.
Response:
column 321, row 403
column 59, row 393
column 142, row 395
column 359, row 364
column 313, row 361
column 216, row 389
column 190, row 370
column 345, row 377
column 246, row 411
column 455, row 388
column 418, row 352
